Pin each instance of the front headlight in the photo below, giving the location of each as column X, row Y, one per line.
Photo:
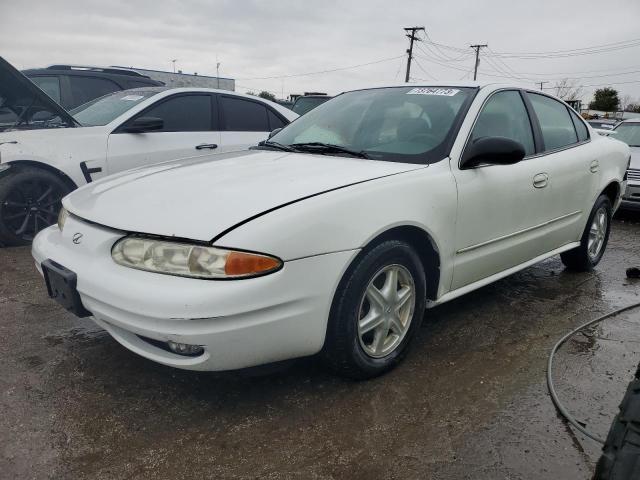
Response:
column 62, row 217
column 191, row 260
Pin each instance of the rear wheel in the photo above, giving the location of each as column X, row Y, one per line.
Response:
column 594, row 238
column 29, row 201
column 376, row 312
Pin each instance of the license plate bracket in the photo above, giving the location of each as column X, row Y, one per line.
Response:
column 62, row 287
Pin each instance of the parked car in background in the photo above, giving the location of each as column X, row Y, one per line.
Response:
column 285, row 103
column 47, row 152
column 628, row 131
column 602, row 124
column 306, row 103
column 71, row 85
column 336, row 233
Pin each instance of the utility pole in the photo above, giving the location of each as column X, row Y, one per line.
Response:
column 412, row 37
column 541, row 83
column 174, row 64
column 477, row 49
column 217, row 73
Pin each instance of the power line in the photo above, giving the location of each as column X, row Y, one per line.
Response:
column 338, row 69
column 606, row 47
column 424, row 70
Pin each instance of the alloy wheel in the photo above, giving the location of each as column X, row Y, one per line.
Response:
column 386, row 310
column 597, row 233
column 31, row 206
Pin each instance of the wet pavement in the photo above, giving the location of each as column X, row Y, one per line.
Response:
column 470, row 401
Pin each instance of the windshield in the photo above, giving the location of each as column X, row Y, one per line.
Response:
column 629, row 133
column 105, row 109
column 400, row 124
column 306, row 104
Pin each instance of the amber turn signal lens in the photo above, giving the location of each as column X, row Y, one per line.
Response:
column 242, row 264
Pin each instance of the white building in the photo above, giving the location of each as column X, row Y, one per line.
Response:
column 180, row 79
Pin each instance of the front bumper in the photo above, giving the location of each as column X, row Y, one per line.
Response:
column 631, row 197
column 240, row 323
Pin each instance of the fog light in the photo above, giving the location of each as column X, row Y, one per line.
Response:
column 185, row 349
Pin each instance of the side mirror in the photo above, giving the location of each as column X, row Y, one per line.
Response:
column 274, row 132
column 144, row 124
column 492, row 151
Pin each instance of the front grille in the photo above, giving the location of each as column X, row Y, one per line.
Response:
column 633, row 174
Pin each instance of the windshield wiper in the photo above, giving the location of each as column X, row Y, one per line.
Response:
column 273, row 145
column 319, row 147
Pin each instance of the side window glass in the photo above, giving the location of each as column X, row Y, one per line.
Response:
column 186, row 113
column 583, row 133
column 85, row 89
column 556, row 124
column 244, row 115
column 274, row 121
column 504, row 115
column 49, row 85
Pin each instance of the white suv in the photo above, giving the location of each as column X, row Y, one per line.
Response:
column 45, row 152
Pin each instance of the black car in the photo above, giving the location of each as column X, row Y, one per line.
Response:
column 71, row 86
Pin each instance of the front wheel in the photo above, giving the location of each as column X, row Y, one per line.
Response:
column 29, row 201
column 594, row 238
column 376, row 312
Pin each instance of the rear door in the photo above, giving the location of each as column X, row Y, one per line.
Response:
column 571, row 164
column 245, row 122
column 190, row 129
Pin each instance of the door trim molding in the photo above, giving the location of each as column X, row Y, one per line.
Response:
column 519, row 232
column 497, row 276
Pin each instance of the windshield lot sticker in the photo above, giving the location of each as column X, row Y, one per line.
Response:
column 447, row 92
column 132, row 98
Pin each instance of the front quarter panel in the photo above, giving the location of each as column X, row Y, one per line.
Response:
column 62, row 149
column 349, row 218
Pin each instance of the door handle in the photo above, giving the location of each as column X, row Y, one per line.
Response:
column 540, row 180
column 203, row 146
column 594, row 167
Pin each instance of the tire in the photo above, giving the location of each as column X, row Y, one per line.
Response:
column 29, row 201
column 352, row 347
column 581, row 258
column 620, row 458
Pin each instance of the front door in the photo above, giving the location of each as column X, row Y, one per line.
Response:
column 500, row 207
column 190, row 129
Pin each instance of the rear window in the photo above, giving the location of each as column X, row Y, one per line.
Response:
column 581, row 128
column 556, row 124
column 85, row 89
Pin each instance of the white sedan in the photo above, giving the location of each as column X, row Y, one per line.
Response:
column 45, row 152
column 335, row 234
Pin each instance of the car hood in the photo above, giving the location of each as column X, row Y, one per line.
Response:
column 20, row 97
column 200, row 198
column 635, row 157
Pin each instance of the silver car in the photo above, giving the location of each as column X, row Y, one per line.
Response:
column 628, row 131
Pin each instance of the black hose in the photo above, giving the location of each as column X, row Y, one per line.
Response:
column 552, row 391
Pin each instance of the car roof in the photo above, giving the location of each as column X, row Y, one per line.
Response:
column 282, row 110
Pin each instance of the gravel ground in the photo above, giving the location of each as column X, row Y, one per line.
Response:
column 470, row 401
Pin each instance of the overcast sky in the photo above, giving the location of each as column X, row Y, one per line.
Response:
column 253, row 38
